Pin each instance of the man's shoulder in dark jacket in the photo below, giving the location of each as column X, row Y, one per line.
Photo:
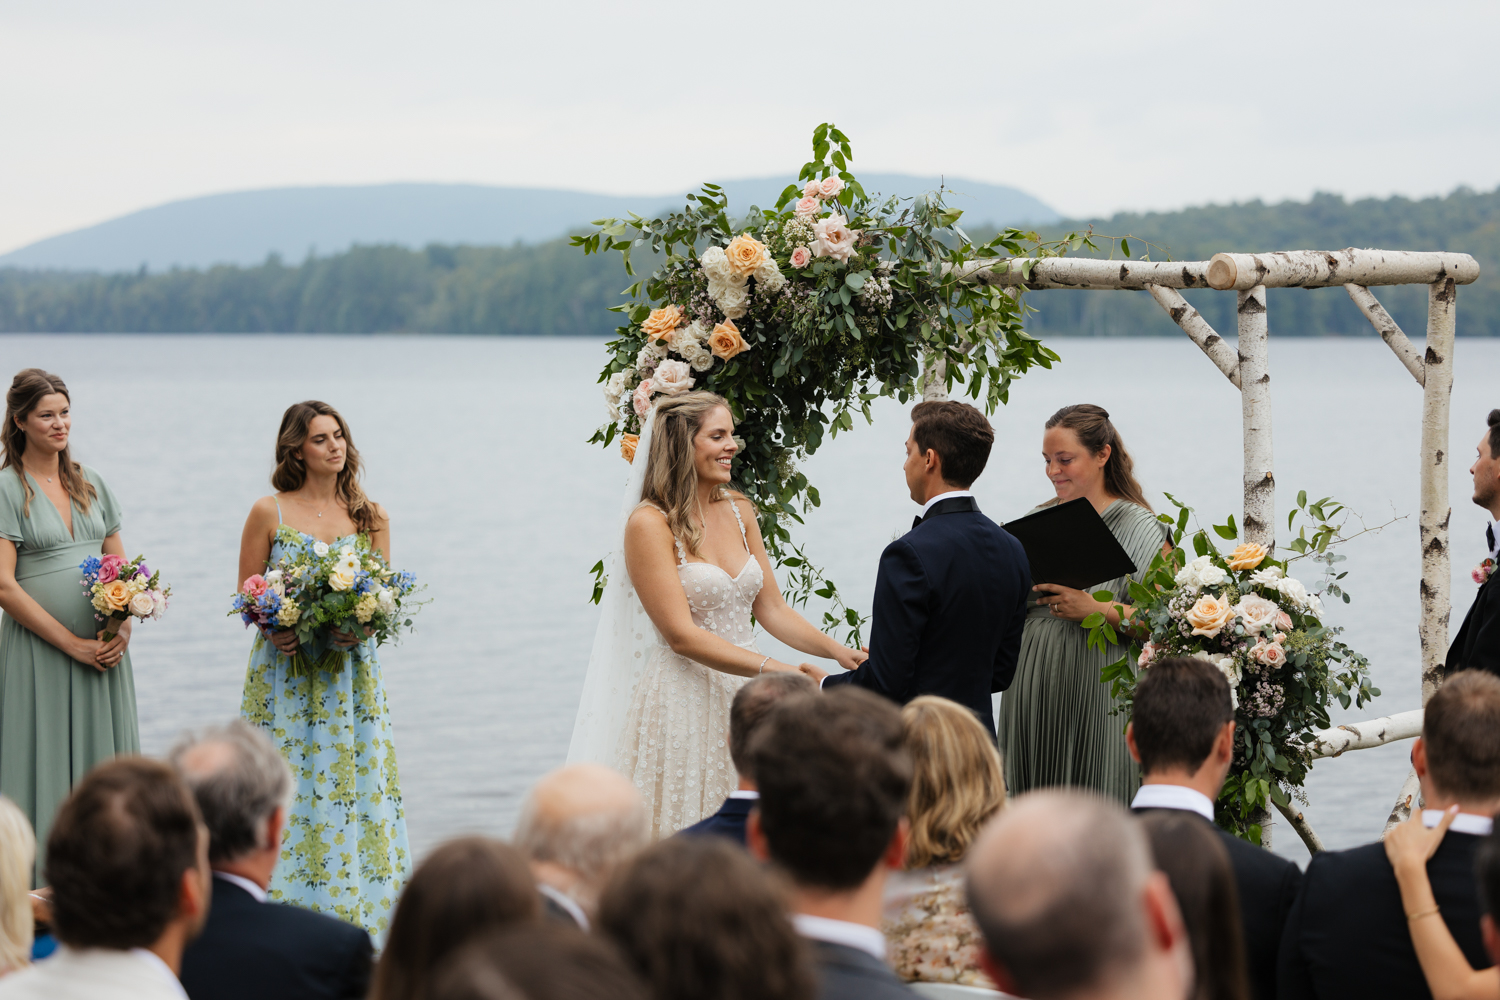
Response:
column 846, row 973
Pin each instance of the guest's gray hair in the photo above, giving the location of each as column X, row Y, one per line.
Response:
column 592, row 845
column 237, row 788
column 1055, row 884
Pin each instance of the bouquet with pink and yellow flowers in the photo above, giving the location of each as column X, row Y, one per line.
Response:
column 121, row 588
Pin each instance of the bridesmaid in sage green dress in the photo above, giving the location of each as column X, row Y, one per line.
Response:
column 67, row 699
column 1055, row 725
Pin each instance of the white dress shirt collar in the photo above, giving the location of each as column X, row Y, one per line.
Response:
column 152, row 959
column 243, row 883
column 944, row 496
column 1477, row 826
column 567, row 903
column 741, row 793
column 858, row 936
column 1173, row 797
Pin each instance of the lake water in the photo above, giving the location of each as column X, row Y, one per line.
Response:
column 476, row 446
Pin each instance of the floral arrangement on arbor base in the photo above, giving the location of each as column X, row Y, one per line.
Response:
column 1244, row 613
column 800, row 314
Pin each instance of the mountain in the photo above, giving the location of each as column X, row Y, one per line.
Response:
column 245, row 227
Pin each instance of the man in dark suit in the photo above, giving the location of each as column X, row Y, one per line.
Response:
column 950, row 595
column 1477, row 645
column 253, row 948
column 751, row 704
column 1182, row 733
column 1348, row 934
column 834, row 775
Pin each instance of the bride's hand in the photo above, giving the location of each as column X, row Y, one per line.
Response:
column 849, row 658
column 813, row 672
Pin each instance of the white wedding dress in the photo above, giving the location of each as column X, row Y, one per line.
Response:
column 659, row 718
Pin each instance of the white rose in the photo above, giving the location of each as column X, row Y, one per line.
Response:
column 1315, row 606
column 320, row 549
column 696, row 355
column 694, row 333
column 833, row 238
column 715, row 263
column 1266, row 577
column 386, row 601
column 731, row 297
column 673, row 377
column 141, row 605
column 1258, row 613
column 1211, row 575
column 615, row 388
column 1293, row 591
column 1194, row 573
column 768, row 277
column 340, row 579
column 1229, row 668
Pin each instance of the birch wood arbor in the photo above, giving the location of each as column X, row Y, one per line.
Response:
column 1246, row 365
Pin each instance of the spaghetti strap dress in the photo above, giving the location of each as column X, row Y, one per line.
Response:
column 345, row 850
column 58, row 717
column 1055, row 726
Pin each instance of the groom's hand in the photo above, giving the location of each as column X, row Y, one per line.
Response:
column 813, row 672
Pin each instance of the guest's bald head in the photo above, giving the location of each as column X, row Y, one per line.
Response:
column 1055, row 884
column 585, row 818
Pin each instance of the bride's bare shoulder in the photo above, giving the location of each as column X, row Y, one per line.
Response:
column 647, row 518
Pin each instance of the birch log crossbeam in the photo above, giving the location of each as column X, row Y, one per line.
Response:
column 1084, row 273
column 1390, row 331
column 1226, row 358
column 1364, row 735
column 1323, row 268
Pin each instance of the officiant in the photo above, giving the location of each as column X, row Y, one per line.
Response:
column 1055, row 723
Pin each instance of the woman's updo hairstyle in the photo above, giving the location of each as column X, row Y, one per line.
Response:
column 671, row 474
column 1091, row 424
column 290, row 472
column 26, row 392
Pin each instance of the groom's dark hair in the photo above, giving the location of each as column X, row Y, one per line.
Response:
column 1181, row 704
column 960, row 435
column 833, row 773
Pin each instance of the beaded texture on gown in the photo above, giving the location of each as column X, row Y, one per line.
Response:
column 58, row 717
column 1055, row 722
column 675, row 744
column 345, row 850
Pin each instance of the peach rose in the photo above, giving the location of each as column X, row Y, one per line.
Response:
column 1247, row 556
column 1209, row 616
column 726, row 341
column 628, row 443
column 1269, row 653
column 745, row 254
column 1283, row 620
column 829, row 187
column 801, row 256
column 808, row 207
column 662, row 323
column 116, row 595
column 811, row 190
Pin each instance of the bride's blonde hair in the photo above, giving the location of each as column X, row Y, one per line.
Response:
column 671, row 474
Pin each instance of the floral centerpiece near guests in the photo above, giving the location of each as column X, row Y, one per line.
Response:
column 319, row 587
column 121, row 588
column 1243, row 612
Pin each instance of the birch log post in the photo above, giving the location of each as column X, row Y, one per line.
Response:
column 935, row 379
column 1433, row 521
column 1389, row 330
column 1259, row 515
column 1198, row 330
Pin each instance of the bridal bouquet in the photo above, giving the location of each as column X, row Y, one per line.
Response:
column 1264, row 629
column 317, row 588
column 121, row 588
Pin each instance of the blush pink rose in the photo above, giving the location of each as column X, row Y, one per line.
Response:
column 808, row 207
column 1283, row 620
column 829, row 187
column 1269, row 654
column 1148, row 653
column 254, row 585
column 812, row 190
column 109, row 568
column 834, row 238
column 801, row 256
column 641, row 398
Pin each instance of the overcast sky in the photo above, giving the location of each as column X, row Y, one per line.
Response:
column 1093, row 107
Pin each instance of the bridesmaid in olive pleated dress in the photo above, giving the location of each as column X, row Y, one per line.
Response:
column 67, row 699
column 1055, row 722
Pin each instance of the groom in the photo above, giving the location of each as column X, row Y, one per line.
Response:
column 950, row 595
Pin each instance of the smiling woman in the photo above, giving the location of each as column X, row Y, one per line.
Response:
column 67, row 699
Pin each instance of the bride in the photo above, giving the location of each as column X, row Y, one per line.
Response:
column 676, row 638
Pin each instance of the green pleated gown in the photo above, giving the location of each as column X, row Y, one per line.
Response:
column 58, row 718
column 1055, row 728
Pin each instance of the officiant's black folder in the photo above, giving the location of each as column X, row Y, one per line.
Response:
column 1070, row 544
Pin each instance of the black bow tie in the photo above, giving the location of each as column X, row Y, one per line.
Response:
column 1489, row 536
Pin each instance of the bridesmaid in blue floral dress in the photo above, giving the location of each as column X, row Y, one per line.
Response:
column 345, row 851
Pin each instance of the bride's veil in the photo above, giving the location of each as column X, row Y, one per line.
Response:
column 624, row 638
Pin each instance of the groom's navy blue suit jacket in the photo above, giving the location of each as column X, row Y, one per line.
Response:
column 950, row 601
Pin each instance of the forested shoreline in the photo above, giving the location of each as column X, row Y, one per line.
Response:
column 552, row 289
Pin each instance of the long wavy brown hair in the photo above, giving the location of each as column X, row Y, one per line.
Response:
column 957, row 781
column 1091, row 424
column 25, row 395
column 671, row 474
column 290, row 472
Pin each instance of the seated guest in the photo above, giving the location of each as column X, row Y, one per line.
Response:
column 697, row 918
column 1349, row 933
column 834, row 775
column 751, row 704
column 1196, row 864
column 957, row 785
column 127, row 860
column 578, row 824
column 463, row 889
column 251, row 947
column 1070, row 905
column 1182, row 733
column 17, row 854
column 543, row 961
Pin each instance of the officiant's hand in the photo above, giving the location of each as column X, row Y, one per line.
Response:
column 1067, row 603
